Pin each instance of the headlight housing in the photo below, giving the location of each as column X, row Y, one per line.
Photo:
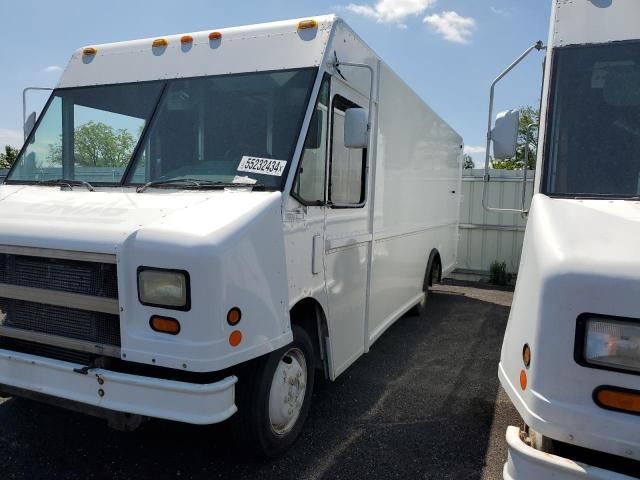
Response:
column 164, row 288
column 609, row 342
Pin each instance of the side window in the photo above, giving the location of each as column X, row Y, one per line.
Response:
column 348, row 165
column 309, row 184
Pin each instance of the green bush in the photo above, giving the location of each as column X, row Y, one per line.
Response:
column 498, row 274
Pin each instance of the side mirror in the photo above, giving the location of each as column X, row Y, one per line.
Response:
column 356, row 132
column 29, row 124
column 505, row 134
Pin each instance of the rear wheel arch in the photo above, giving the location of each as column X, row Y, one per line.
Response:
column 434, row 261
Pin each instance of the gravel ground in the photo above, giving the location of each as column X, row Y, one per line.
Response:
column 425, row 403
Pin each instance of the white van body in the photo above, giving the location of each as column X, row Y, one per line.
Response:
column 352, row 271
column 580, row 263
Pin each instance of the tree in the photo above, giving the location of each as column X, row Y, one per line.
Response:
column 467, row 162
column 8, row 158
column 98, row 145
column 528, row 115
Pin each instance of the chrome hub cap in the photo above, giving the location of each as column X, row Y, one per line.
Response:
column 288, row 390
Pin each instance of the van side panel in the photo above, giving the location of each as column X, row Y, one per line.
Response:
column 417, row 197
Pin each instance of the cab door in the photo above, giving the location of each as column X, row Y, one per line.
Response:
column 347, row 235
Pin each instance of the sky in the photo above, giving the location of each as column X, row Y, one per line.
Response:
column 448, row 51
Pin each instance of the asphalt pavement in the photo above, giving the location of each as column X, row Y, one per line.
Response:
column 425, row 403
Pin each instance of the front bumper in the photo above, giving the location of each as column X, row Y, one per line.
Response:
column 527, row 463
column 120, row 392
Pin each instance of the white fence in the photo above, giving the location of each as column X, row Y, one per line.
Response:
column 487, row 236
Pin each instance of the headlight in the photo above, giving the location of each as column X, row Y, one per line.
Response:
column 164, row 288
column 612, row 343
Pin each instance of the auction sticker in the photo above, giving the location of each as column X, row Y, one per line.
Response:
column 264, row 166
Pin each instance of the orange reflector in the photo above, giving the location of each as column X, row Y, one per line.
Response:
column 235, row 338
column 165, row 325
column 303, row 25
column 523, row 380
column 215, row 36
column 90, row 51
column 186, row 39
column 234, row 316
column 160, row 42
column 618, row 399
column 526, row 355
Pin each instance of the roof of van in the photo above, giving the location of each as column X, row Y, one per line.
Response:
column 268, row 46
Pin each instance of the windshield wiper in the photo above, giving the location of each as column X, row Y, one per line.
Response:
column 62, row 182
column 192, row 183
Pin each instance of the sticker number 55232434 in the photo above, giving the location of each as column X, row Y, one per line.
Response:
column 264, row 166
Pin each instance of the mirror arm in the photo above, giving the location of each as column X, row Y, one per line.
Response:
column 24, row 103
column 372, row 77
column 536, row 46
column 525, row 212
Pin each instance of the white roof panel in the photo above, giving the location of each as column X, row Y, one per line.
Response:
column 595, row 21
column 262, row 47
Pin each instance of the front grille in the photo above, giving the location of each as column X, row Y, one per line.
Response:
column 28, row 313
column 47, row 351
column 93, row 327
column 72, row 276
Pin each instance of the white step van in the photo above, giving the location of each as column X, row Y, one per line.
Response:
column 198, row 225
column 570, row 360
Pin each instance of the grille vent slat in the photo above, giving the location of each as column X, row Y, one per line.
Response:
column 65, row 322
column 61, row 275
column 73, row 276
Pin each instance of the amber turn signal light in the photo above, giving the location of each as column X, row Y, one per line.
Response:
column 165, row 325
column 618, row 399
column 234, row 316
column 526, row 355
column 523, row 380
column 235, row 338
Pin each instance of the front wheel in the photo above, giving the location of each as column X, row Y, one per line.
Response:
column 274, row 398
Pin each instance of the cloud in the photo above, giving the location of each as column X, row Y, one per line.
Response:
column 500, row 11
column 469, row 149
column 10, row 137
column 52, row 69
column 453, row 27
column 391, row 11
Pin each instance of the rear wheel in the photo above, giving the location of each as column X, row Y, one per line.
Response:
column 273, row 400
column 431, row 277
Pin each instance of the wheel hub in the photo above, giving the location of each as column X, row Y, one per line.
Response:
column 288, row 390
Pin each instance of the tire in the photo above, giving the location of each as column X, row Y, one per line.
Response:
column 431, row 277
column 274, row 397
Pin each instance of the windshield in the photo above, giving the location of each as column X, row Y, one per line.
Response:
column 87, row 134
column 593, row 134
column 240, row 128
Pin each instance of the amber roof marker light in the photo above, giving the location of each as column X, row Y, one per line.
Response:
column 215, row 36
column 307, row 24
column 160, row 42
column 90, row 51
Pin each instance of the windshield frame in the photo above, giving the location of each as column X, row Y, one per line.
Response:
column 127, row 175
column 549, row 128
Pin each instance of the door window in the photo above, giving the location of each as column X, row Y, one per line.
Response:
column 347, row 185
column 310, row 181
